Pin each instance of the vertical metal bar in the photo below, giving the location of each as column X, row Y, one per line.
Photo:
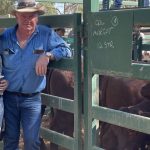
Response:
column 140, row 3
column 95, row 101
column 77, row 83
column 88, row 6
column 87, row 104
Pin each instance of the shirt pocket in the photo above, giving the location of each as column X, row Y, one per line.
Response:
column 37, row 52
column 10, row 59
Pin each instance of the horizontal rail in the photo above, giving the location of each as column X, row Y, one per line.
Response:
column 52, row 21
column 66, row 20
column 58, row 102
column 57, row 138
column 96, row 148
column 123, row 119
column 64, row 64
column 146, row 47
column 128, row 3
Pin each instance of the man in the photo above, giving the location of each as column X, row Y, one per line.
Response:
column 25, row 66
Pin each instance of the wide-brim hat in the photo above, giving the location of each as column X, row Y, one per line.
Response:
column 28, row 6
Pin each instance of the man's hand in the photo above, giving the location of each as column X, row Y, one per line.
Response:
column 3, row 85
column 41, row 65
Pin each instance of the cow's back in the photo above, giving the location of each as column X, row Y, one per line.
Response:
column 117, row 92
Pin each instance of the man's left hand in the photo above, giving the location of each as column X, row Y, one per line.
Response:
column 41, row 65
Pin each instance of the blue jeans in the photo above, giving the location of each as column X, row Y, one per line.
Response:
column 24, row 111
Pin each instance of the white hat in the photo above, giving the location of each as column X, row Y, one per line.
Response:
column 28, row 6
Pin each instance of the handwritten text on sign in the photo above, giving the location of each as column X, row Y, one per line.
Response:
column 104, row 30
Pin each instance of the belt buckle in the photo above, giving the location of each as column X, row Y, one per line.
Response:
column 29, row 94
column 26, row 94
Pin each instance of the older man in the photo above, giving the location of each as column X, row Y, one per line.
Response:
column 24, row 66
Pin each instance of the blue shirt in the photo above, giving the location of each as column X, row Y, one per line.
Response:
column 19, row 63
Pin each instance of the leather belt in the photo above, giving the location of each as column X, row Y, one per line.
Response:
column 22, row 94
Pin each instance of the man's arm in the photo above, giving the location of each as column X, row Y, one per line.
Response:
column 57, row 49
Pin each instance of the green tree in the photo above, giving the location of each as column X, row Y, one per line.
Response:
column 50, row 9
column 73, row 8
column 5, row 6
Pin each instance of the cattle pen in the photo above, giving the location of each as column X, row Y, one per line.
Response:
column 107, row 41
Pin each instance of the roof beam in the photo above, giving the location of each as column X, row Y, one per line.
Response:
column 128, row 2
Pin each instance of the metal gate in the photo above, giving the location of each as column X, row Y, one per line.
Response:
column 107, row 54
column 100, row 48
column 74, row 64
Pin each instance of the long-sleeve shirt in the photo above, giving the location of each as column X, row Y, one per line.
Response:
column 19, row 63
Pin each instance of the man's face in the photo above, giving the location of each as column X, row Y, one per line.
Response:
column 27, row 20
